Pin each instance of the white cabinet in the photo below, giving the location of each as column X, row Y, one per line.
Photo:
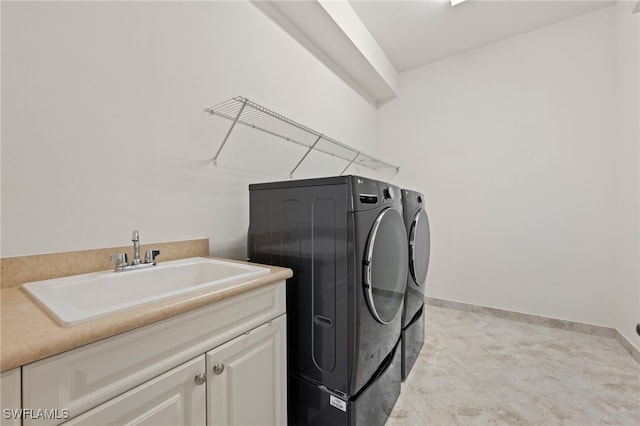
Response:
column 174, row 398
column 10, row 397
column 147, row 376
column 246, row 382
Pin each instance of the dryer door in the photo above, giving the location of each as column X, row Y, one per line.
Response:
column 385, row 265
column 419, row 247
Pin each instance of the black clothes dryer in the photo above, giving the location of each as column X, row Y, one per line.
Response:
column 418, row 236
column 345, row 240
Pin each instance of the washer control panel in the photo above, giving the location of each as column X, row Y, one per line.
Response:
column 369, row 193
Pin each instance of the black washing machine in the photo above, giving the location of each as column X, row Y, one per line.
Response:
column 345, row 240
column 418, row 236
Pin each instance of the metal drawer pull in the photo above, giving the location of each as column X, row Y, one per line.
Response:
column 218, row 368
column 201, row 378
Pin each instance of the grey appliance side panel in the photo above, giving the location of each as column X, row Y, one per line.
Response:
column 260, row 238
column 305, row 228
column 324, row 241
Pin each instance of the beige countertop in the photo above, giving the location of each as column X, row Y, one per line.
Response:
column 28, row 334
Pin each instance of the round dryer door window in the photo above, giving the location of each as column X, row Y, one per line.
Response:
column 385, row 265
column 419, row 245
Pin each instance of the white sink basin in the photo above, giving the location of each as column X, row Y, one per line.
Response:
column 79, row 298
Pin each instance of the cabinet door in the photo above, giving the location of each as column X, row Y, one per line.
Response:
column 173, row 398
column 10, row 397
column 247, row 378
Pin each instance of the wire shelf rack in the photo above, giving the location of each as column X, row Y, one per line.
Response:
column 248, row 113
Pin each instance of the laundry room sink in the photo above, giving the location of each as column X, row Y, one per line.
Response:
column 79, row 298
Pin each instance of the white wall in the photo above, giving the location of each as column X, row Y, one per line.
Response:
column 103, row 128
column 527, row 149
column 626, row 292
column 512, row 145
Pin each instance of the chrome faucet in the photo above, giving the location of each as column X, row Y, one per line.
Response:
column 135, row 237
column 121, row 259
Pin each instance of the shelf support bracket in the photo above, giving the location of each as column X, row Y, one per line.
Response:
column 396, row 170
column 304, row 156
column 350, row 163
column 224, row 141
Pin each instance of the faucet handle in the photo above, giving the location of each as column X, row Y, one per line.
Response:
column 150, row 256
column 121, row 259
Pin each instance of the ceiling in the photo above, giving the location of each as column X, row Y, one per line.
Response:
column 415, row 33
column 368, row 43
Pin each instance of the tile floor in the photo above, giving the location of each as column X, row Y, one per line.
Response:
column 480, row 370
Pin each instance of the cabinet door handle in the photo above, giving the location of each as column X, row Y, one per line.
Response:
column 201, row 378
column 218, row 368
